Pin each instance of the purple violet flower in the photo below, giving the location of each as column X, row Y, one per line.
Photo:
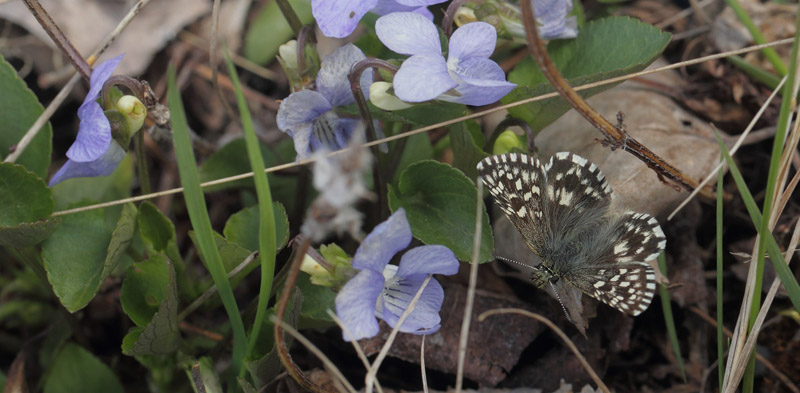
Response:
column 385, row 291
column 553, row 21
column 93, row 153
column 338, row 18
column 476, row 79
column 308, row 117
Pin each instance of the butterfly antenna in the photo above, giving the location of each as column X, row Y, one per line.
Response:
column 509, row 260
column 555, row 292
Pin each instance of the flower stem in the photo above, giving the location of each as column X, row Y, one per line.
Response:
column 290, row 16
column 50, row 26
column 355, row 86
column 280, row 313
column 141, row 163
column 614, row 136
column 449, row 16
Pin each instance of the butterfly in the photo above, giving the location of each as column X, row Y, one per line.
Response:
column 561, row 209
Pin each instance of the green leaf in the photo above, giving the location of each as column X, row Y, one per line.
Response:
column 242, row 227
column 596, row 54
column 158, row 233
column 89, row 190
column 80, row 254
column 467, row 151
column 161, row 335
column 417, row 148
column 269, row 31
column 25, row 204
column 19, row 109
column 24, row 197
column 74, row 369
column 231, row 160
column 232, row 255
column 316, row 301
column 121, row 238
column 144, row 288
column 440, row 205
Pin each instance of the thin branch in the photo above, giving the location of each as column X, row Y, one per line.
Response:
column 58, row 37
column 615, row 136
column 213, row 289
column 602, row 386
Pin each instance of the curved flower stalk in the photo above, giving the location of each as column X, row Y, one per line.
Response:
column 95, row 152
column 384, row 291
column 338, row 18
column 308, row 116
column 468, row 76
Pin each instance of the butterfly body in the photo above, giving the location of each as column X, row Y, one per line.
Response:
column 561, row 209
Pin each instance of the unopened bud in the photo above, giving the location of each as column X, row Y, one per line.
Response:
column 379, row 96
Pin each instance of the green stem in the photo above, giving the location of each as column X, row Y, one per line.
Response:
column 290, row 16
column 141, row 163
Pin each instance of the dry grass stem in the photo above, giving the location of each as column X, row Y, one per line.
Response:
column 473, row 282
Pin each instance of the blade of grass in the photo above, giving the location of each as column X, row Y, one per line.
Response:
column 772, row 178
column 776, row 258
column 720, row 324
column 758, row 38
column 666, row 306
column 266, row 225
column 198, row 215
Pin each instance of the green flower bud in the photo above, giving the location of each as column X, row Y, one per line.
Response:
column 464, row 15
column 507, row 141
column 134, row 112
column 379, row 96
column 338, row 271
column 288, row 55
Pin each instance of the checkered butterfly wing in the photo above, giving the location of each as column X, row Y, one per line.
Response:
column 515, row 182
column 620, row 276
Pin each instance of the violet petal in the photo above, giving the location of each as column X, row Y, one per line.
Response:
column 301, row 107
column 94, row 131
column 102, row 166
column 387, row 239
column 476, row 39
column 397, row 296
column 434, row 259
column 332, row 79
column 408, row 33
column 355, row 304
column 338, row 18
column 422, row 77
